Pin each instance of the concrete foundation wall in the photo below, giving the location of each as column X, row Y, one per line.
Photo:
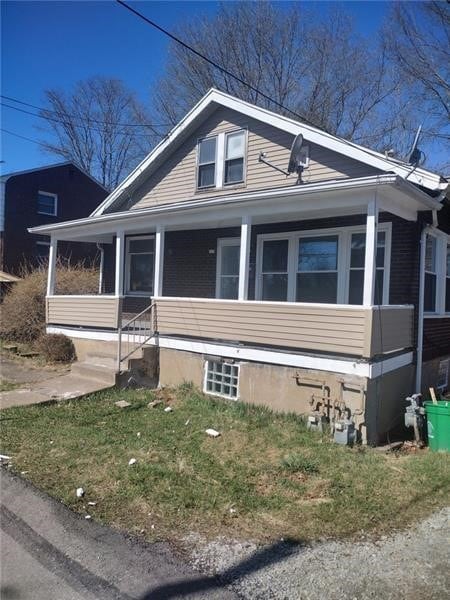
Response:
column 84, row 347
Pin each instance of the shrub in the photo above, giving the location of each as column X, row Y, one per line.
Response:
column 23, row 308
column 296, row 463
column 56, row 347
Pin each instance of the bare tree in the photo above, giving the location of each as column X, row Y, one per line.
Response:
column 319, row 69
column 101, row 126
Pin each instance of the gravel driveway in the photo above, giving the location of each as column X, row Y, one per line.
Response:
column 413, row 564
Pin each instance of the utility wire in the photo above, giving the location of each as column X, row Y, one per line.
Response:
column 71, row 116
column 213, row 63
column 66, row 122
column 21, row 136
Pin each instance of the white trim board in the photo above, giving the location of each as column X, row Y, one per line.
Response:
column 214, row 98
column 333, row 365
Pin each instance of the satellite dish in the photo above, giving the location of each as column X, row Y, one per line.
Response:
column 296, row 159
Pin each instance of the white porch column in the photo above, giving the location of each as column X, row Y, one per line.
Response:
column 52, row 255
column 120, row 264
column 371, row 254
column 244, row 257
column 159, row 261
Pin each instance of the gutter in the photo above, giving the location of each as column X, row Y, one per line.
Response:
column 294, row 191
column 419, row 354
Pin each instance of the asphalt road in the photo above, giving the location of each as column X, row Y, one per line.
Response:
column 50, row 553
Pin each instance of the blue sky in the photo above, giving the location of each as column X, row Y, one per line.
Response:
column 55, row 44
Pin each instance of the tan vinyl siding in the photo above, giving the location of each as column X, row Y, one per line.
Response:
column 389, row 329
column 337, row 330
column 175, row 180
column 89, row 311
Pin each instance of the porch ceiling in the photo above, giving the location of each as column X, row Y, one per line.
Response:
column 332, row 198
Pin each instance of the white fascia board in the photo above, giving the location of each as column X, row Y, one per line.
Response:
column 286, row 359
column 413, row 174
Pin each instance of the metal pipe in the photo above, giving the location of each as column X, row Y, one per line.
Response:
column 102, row 263
column 419, row 353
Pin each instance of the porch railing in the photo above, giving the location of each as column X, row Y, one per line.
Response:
column 134, row 334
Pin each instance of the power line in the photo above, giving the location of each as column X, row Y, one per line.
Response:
column 67, row 122
column 21, row 136
column 213, row 63
column 71, row 116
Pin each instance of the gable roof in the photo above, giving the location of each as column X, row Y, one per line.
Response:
column 215, row 98
column 5, row 176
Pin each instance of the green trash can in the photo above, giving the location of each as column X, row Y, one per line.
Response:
column 438, row 425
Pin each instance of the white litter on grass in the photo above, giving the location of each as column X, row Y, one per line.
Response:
column 212, row 433
column 80, row 492
column 4, row 457
column 187, row 422
column 92, row 503
column 168, row 409
column 138, row 434
column 132, row 461
column 87, row 517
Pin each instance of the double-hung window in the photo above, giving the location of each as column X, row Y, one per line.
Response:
column 234, row 157
column 430, row 274
column 221, row 160
column 320, row 266
column 357, row 259
column 207, row 158
column 140, row 264
column 227, row 283
column 47, row 204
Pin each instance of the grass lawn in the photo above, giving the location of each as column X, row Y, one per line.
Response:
column 264, row 478
column 7, row 386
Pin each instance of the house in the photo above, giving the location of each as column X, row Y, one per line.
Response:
column 42, row 196
column 326, row 293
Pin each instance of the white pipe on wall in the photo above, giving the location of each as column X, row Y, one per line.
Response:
column 423, row 243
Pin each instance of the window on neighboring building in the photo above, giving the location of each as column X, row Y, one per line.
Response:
column 42, row 250
column 207, row 156
column 447, row 280
column 430, row 274
column 227, row 285
column 47, row 203
column 357, row 260
column 317, row 271
column 140, row 264
column 442, row 379
column 274, row 276
column 222, row 379
column 234, row 157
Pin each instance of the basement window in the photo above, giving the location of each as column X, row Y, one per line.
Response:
column 222, row 379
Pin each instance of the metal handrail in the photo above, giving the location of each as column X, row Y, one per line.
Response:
column 139, row 336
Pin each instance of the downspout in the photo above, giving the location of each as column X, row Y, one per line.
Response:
column 102, row 263
column 423, row 241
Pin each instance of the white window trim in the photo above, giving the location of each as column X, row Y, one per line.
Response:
column 205, row 377
column 219, row 173
column 441, row 240
column 344, row 234
column 55, row 204
column 221, row 242
column 129, row 238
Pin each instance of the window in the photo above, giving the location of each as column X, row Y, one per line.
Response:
column 442, row 378
column 221, row 160
column 42, row 250
column 227, row 283
column 357, row 260
column 317, row 271
column 275, row 270
column 430, row 274
column 320, row 266
column 447, row 279
column 234, row 157
column 222, row 379
column 207, row 162
column 47, row 203
column 140, row 264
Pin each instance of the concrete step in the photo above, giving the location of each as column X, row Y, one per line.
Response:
column 101, row 360
column 105, row 374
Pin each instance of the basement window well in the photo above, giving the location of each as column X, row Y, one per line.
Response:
column 221, row 379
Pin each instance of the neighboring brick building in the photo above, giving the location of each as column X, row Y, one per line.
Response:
column 47, row 195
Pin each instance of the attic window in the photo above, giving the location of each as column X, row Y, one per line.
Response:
column 47, row 203
column 207, row 162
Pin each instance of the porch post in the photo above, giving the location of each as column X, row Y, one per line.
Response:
column 159, row 261
column 244, row 257
column 120, row 266
column 371, row 254
column 53, row 251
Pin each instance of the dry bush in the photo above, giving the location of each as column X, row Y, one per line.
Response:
column 56, row 347
column 23, row 309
